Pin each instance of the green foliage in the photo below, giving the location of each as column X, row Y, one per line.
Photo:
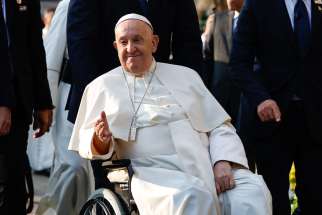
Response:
column 293, row 197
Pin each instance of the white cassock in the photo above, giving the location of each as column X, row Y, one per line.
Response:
column 182, row 132
column 71, row 180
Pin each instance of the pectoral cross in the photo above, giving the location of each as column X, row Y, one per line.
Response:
column 133, row 129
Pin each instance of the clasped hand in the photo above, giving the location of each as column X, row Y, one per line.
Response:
column 268, row 110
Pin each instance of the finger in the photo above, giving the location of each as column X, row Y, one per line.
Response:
column 261, row 116
column 221, row 184
column 100, row 127
column 104, row 118
column 98, row 121
column 227, row 183
column 231, row 182
column 106, row 133
column 106, row 138
column 7, row 127
column 103, row 134
column 218, row 188
column 268, row 115
column 276, row 113
column 102, row 130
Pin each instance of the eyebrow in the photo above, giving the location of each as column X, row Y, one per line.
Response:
column 135, row 36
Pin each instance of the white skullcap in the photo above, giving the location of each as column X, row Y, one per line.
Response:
column 134, row 16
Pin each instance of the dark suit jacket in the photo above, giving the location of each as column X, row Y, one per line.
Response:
column 27, row 56
column 6, row 85
column 269, row 36
column 217, row 49
column 90, row 36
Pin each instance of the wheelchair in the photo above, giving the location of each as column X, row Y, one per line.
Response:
column 117, row 201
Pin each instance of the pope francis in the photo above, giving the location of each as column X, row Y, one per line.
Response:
column 186, row 156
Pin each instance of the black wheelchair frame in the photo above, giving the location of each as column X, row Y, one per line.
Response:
column 113, row 202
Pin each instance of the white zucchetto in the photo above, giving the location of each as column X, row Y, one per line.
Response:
column 133, row 16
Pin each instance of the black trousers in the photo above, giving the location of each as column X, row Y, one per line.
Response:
column 226, row 93
column 12, row 166
column 290, row 142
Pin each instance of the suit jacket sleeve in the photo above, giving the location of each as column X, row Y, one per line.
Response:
column 83, row 45
column 243, row 54
column 186, row 39
column 42, row 98
column 6, row 81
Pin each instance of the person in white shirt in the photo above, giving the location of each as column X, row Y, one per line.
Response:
column 71, row 180
column 186, row 156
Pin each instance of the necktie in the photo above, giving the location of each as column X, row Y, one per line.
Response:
column 235, row 21
column 302, row 27
column 144, row 6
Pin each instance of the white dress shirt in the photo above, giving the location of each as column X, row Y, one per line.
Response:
column 290, row 5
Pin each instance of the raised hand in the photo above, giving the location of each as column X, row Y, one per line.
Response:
column 102, row 130
column 102, row 135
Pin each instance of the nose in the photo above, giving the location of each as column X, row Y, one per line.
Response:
column 130, row 47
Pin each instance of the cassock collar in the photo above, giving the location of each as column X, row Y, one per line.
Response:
column 146, row 74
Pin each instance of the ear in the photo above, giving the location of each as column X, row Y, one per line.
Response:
column 155, row 42
column 115, row 45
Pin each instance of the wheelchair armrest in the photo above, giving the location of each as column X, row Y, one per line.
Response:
column 117, row 164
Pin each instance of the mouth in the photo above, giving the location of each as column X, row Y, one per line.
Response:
column 132, row 56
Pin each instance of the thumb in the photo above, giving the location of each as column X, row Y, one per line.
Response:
column 276, row 113
column 231, row 182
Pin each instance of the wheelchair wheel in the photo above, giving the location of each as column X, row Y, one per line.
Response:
column 105, row 202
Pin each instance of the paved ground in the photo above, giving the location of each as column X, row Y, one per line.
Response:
column 40, row 186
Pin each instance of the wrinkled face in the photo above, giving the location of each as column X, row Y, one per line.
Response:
column 235, row 4
column 135, row 44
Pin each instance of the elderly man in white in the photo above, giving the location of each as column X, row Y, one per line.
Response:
column 186, row 156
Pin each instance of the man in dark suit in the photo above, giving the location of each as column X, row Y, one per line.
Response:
column 217, row 43
column 90, row 36
column 218, row 38
column 282, row 105
column 24, row 90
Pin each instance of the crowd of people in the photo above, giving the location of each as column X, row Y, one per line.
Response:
column 224, row 111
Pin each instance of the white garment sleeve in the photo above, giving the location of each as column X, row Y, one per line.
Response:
column 55, row 46
column 106, row 156
column 92, row 103
column 226, row 145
